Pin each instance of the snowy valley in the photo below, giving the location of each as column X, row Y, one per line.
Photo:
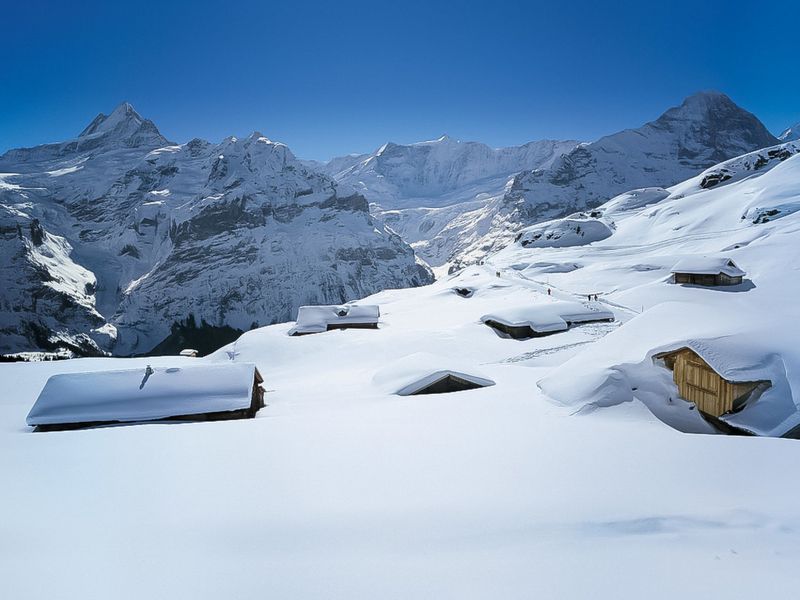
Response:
column 561, row 462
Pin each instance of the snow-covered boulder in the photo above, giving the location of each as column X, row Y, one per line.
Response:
column 575, row 230
column 632, row 200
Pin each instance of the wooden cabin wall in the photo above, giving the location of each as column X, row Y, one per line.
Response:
column 707, row 280
column 697, row 382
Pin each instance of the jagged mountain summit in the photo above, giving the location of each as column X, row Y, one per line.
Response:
column 707, row 128
column 421, row 189
column 123, row 128
column 399, row 174
column 457, row 219
column 121, row 241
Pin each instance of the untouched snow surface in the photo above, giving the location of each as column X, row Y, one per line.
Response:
column 341, row 489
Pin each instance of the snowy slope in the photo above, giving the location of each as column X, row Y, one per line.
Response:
column 46, row 298
column 747, row 209
column 424, row 190
column 343, row 489
column 706, row 129
column 228, row 235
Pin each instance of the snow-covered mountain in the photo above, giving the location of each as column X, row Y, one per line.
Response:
column 790, row 134
column 397, row 175
column 161, row 239
column 140, row 242
column 705, row 129
column 457, row 202
column 421, row 189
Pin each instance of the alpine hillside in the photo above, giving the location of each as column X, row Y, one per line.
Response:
column 121, row 241
column 456, row 219
column 423, row 190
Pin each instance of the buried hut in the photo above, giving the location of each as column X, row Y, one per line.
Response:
column 715, row 392
column 707, row 271
column 211, row 392
column 424, row 373
column 316, row 319
column 536, row 320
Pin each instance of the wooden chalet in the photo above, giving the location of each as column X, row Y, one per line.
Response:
column 700, row 383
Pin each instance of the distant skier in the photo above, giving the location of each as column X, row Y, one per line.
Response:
column 548, row 291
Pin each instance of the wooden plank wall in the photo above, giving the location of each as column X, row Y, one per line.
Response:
column 699, row 383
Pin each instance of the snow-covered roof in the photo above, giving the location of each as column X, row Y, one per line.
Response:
column 727, row 356
column 708, row 265
column 315, row 319
column 415, row 372
column 548, row 317
column 144, row 394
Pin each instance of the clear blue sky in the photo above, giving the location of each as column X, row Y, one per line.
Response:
column 334, row 77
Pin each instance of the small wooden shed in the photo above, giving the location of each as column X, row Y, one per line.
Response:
column 700, row 383
column 707, row 271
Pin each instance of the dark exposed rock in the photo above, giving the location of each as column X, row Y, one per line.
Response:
column 713, row 179
column 130, row 250
column 37, row 232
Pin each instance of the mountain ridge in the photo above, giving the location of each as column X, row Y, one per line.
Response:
column 227, row 235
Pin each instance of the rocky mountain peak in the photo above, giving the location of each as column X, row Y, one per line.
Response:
column 126, row 126
column 717, row 123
